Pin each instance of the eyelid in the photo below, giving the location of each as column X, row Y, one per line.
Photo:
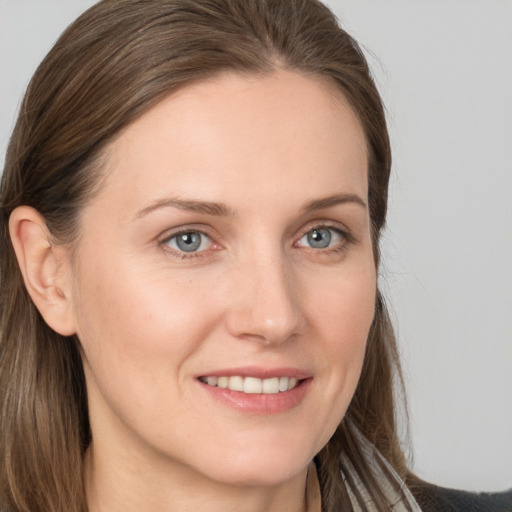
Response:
column 347, row 238
column 325, row 224
column 169, row 234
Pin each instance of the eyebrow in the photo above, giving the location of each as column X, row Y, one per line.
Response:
column 222, row 210
column 210, row 208
column 327, row 202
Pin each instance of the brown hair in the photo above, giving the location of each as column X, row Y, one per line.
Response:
column 115, row 62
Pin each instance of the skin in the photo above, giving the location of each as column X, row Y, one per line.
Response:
column 151, row 319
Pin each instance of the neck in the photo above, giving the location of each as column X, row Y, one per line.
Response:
column 125, row 483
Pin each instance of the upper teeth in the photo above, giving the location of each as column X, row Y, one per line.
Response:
column 252, row 384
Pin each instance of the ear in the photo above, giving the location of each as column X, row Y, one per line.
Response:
column 45, row 268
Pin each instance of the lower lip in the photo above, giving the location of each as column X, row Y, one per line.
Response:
column 260, row 403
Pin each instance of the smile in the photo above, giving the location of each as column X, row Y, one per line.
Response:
column 252, row 385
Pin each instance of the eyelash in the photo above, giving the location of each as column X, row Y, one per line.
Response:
column 346, row 236
column 183, row 254
column 347, row 240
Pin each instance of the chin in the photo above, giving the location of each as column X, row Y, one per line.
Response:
column 267, row 474
column 260, row 464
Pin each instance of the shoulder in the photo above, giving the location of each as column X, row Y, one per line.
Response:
column 432, row 498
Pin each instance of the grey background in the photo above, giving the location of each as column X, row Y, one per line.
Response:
column 445, row 71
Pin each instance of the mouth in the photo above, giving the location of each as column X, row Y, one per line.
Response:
column 257, row 390
column 252, row 385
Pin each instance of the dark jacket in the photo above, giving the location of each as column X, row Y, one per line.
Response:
column 432, row 498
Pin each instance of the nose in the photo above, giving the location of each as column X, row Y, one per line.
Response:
column 265, row 305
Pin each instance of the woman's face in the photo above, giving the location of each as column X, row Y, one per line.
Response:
column 229, row 246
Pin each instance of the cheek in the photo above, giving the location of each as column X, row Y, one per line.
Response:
column 138, row 331
column 138, row 324
column 343, row 306
column 341, row 311
column 354, row 316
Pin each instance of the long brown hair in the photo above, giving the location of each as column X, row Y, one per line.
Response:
column 115, row 62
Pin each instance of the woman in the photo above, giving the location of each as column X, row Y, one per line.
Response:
column 191, row 209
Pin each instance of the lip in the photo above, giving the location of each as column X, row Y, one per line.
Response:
column 260, row 404
column 260, row 373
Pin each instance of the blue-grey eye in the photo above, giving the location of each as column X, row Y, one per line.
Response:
column 321, row 238
column 189, row 241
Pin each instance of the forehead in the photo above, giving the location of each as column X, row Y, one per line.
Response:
column 242, row 135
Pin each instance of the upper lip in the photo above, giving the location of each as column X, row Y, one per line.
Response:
column 258, row 372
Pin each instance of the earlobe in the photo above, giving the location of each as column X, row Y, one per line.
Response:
column 43, row 267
